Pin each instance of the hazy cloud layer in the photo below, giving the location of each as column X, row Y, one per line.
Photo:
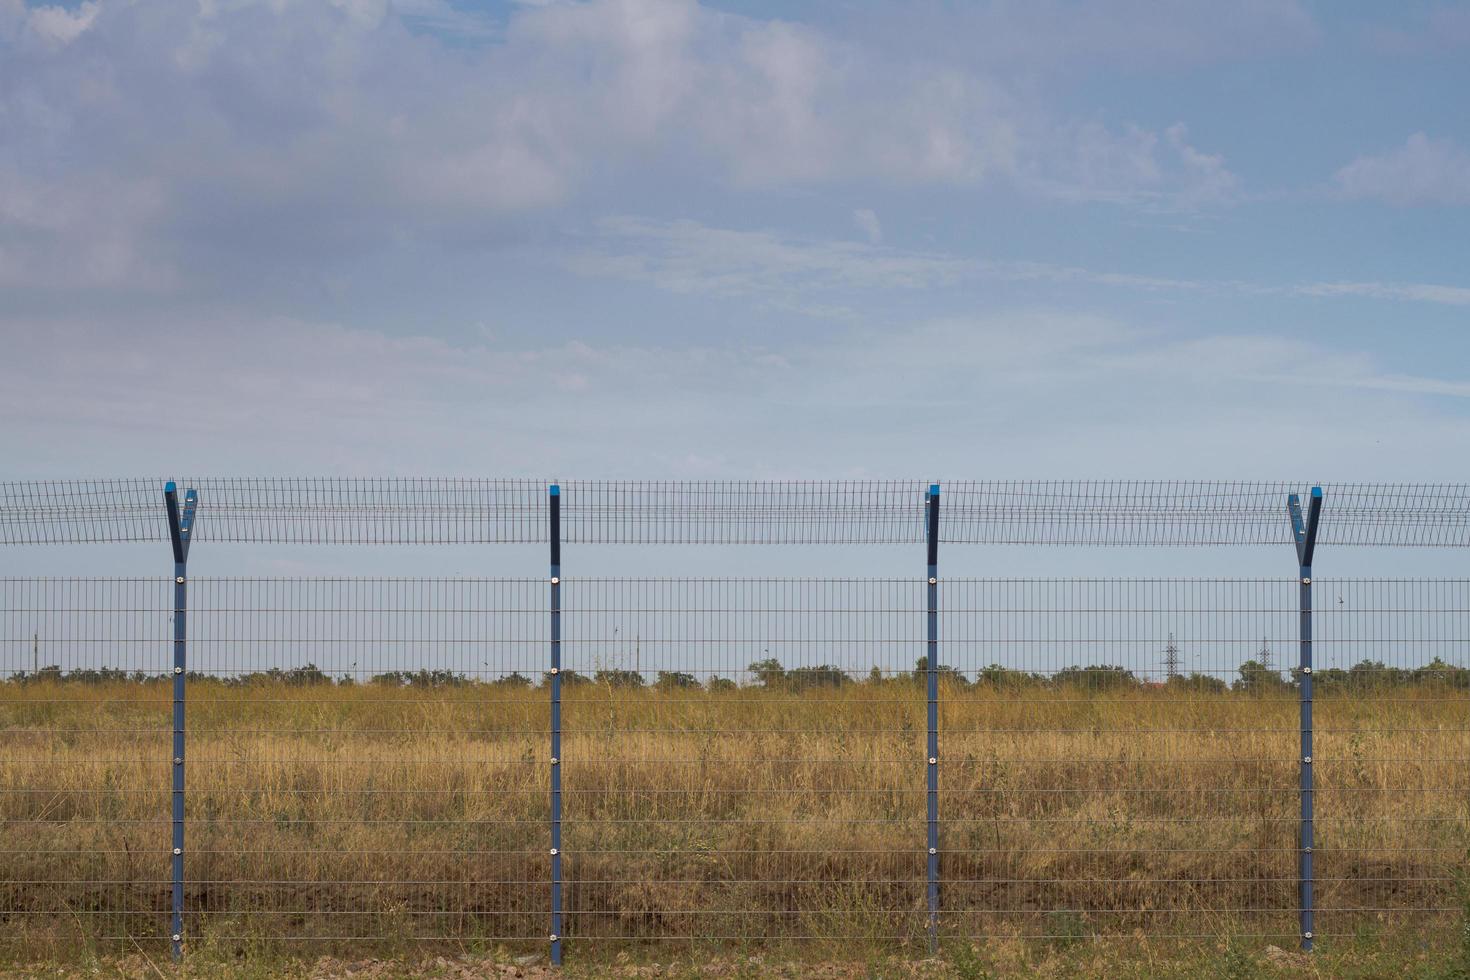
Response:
column 1043, row 392
column 142, row 141
column 1423, row 171
column 666, row 238
column 792, row 272
column 1059, row 37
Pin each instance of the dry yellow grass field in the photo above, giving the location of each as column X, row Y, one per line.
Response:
column 372, row 814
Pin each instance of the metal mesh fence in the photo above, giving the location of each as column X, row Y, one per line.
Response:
column 449, row 511
column 1120, row 755
column 84, row 760
column 734, row 761
column 366, row 759
column 1392, row 747
column 743, row 759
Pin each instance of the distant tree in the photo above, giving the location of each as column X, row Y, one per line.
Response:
column 768, row 672
column 1198, row 684
column 1363, row 678
column 1005, row 677
column 421, row 678
column 1441, row 674
column 513, row 680
column 669, row 680
column 1374, row 675
column 721, row 684
column 946, row 673
column 1095, row 677
column 1256, row 678
column 304, row 676
column 97, row 675
column 569, row 678
column 618, row 678
column 51, row 672
column 772, row 676
column 1327, row 679
column 822, row 675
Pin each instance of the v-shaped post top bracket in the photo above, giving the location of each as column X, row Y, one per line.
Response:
column 180, row 523
column 1304, row 531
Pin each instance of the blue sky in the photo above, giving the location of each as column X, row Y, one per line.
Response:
column 663, row 239
column 635, row 238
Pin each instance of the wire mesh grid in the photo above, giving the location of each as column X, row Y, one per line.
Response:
column 752, row 758
column 1119, row 755
column 744, row 759
column 727, row 777
column 366, row 757
column 84, row 758
column 1392, row 749
column 448, row 511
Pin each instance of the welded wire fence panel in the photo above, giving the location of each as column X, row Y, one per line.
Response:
column 1196, row 512
column 744, row 512
column 449, row 511
column 1118, row 755
column 367, row 760
column 744, row 760
column 1392, row 751
column 85, row 767
column 285, row 510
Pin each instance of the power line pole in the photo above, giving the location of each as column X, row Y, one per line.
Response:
column 1171, row 659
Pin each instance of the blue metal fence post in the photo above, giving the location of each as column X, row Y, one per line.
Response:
column 1304, row 534
column 180, row 530
column 932, row 680
column 554, row 501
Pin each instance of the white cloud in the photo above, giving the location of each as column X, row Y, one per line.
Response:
column 442, row 16
column 330, row 129
column 1270, row 360
column 1420, row 292
column 688, row 257
column 1061, row 37
column 1089, row 162
column 286, row 394
column 794, row 106
column 1421, row 31
column 1423, row 171
column 60, row 25
column 1036, row 391
column 60, row 235
column 867, row 221
column 795, row 273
